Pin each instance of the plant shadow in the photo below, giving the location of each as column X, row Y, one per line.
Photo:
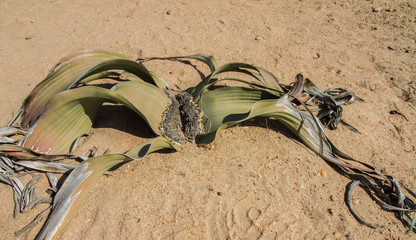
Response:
column 123, row 119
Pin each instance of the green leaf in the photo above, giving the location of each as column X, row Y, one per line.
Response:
column 264, row 77
column 224, row 107
column 209, row 60
column 71, row 113
column 150, row 146
column 61, row 77
column 149, row 101
column 72, row 72
column 72, row 57
column 228, row 106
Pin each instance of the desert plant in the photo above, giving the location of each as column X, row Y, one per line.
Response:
column 60, row 110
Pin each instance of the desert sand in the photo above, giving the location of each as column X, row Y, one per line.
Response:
column 256, row 181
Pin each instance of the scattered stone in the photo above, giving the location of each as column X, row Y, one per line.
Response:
column 390, row 48
column 376, row 9
column 330, row 211
column 169, row 12
column 374, row 28
column 254, row 175
column 372, row 87
column 259, row 38
column 209, row 146
column 331, row 18
column 323, row 173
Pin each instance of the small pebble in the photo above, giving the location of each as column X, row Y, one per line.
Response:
column 254, row 175
column 376, row 9
column 323, row 173
column 209, row 146
column 169, row 12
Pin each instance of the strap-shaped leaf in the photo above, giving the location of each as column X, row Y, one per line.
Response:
column 60, row 78
column 150, row 146
column 17, row 151
column 149, row 101
column 74, row 71
column 88, row 53
column 228, row 106
column 71, row 113
column 45, row 166
column 264, row 77
column 81, row 180
column 304, row 125
column 74, row 190
column 209, row 60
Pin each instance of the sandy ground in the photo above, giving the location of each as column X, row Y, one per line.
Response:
column 256, row 181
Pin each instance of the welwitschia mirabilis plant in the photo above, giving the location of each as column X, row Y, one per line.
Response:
column 61, row 109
